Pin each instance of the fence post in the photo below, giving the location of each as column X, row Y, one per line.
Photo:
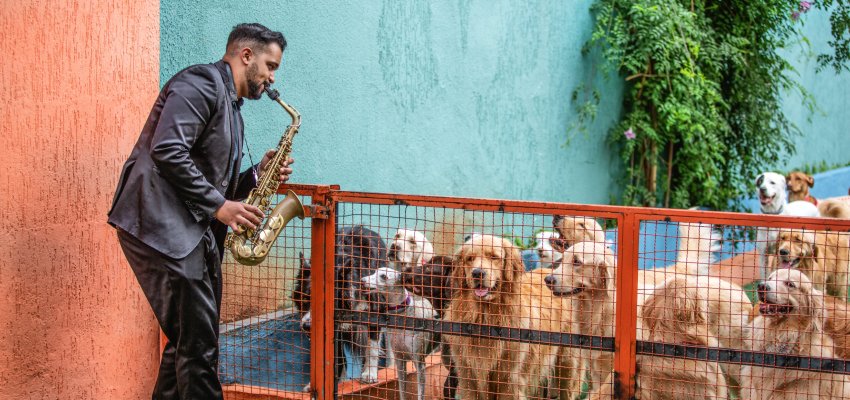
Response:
column 322, row 247
column 625, row 333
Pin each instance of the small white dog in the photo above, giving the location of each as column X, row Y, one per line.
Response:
column 773, row 199
column 549, row 257
column 406, row 345
column 409, row 248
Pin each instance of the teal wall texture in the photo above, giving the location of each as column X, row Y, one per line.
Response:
column 455, row 98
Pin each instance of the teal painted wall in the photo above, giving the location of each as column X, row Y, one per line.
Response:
column 456, row 98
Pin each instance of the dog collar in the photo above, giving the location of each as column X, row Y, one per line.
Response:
column 403, row 305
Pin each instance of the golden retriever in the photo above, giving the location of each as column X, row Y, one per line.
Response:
column 489, row 286
column 822, row 256
column 572, row 230
column 586, row 275
column 791, row 323
column 677, row 313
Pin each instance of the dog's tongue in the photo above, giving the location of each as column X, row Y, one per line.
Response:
column 765, row 200
column 764, row 308
column 481, row 292
column 785, row 264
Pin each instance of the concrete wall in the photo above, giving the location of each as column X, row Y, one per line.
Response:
column 78, row 79
column 457, row 98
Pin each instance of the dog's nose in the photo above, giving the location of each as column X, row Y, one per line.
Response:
column 762, row 287
column 784, row 252
column 305, row 326
column 549, row 280
column 477, row 273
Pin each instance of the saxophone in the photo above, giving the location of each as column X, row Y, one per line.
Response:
column 249, row 246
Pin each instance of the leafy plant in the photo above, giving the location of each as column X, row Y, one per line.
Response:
column 704, row 85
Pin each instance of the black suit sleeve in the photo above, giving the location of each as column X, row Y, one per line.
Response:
column 189, row 105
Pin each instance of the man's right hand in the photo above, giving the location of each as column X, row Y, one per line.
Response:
column 235, row 213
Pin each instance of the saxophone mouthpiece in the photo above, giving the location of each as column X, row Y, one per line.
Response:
column 273, row 93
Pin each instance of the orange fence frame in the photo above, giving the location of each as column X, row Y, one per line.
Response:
column 323, row 211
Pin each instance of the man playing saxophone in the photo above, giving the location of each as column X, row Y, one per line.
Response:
column 178, row 193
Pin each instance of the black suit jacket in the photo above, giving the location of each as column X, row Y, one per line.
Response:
column 185, row 163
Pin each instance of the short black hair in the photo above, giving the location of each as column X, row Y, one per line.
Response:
column 253, row 35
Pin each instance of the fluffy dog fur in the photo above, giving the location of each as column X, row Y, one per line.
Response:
column 586, row 275
column 410, row 248
column 677, row 313
column 834, row 209
column 791, row 323
column 798, row 187
column 490, row 287
column 822, row 256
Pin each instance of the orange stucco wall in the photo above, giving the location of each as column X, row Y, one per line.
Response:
column 78, row 78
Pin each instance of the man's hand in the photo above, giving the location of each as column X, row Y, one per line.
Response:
column 234, row 214
column 285, row 171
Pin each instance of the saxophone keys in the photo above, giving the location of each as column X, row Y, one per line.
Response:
column 275, row 222
column 245, row 251
column 266, row 234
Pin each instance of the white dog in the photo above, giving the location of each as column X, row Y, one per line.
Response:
column 773, row 199
column 406, row 345
column 549, row 257
column 409, row 248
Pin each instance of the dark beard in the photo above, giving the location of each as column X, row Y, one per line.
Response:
column 254, row 84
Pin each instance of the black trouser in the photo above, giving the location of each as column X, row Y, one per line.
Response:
column 187, row 307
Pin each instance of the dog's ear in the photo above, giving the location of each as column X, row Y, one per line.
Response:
column 818, row 310
column 513, row 265
column 809, row 237
column 810, row 180
column 604, row 265
column 458, row 275
column 759, row 180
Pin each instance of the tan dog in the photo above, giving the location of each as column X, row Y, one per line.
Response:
column 586, row 276
column 823, row 256
column 798, row 187
column 572, row 230
column 490, row 287
column 791, row 323
column 677, row 313
column 834, row 209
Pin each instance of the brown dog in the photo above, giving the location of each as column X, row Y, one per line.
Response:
column 798, row 187
column 490, row 286
column 822, row 256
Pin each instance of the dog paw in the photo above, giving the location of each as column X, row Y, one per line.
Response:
column 369, row 377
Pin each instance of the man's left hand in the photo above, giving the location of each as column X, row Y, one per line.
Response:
column 285, row 171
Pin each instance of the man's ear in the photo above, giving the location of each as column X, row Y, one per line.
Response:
column 246, row 55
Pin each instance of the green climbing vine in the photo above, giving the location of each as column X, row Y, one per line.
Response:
column 702, row 106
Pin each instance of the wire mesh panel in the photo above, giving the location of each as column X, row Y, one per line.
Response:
column 451, row 303
column 263, row 341
column 740, row 311
column 397, row 296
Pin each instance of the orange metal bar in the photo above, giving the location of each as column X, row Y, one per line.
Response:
column 480, row 204
column 321, row 299
column 625, row 331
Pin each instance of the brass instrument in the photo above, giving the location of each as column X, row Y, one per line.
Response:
column 249, row 246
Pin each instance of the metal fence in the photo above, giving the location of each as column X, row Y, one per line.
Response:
column 435, row 297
